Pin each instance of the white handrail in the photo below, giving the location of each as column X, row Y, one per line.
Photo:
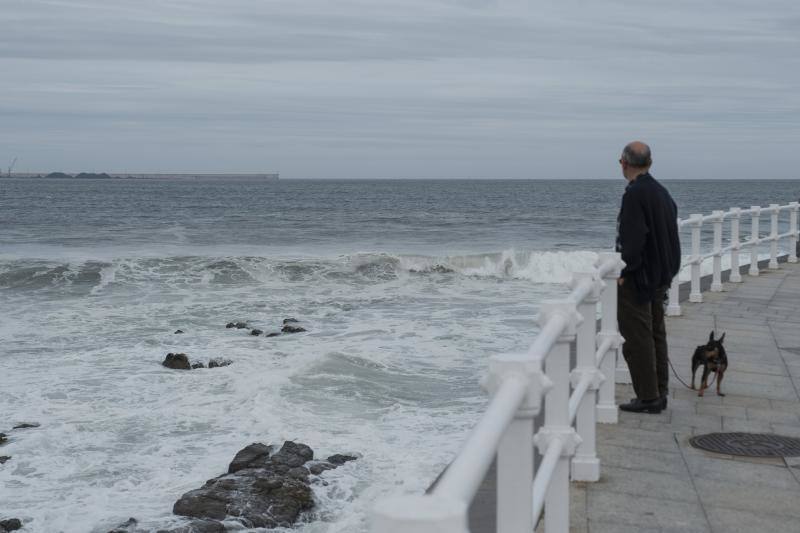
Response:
column 695, row 259
column 517, row 385
column 463, row 477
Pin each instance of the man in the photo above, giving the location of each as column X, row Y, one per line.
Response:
column 647, row 238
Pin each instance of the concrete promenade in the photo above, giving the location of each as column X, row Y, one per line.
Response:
column 652, row 479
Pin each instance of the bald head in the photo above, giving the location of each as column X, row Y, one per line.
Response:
column 637, row 155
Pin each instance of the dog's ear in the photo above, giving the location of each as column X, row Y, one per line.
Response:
column 721, row 338
column 711, row 337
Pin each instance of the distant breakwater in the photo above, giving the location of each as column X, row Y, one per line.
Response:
column 263, row 176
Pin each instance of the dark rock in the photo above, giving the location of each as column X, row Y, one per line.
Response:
column 198, row 364
column 218, row 362
column 241, row 325
column 12, row 524
column 290, row 321
column 230, row 325
column 273, row 334
column 3, row 438
column 254, row 456
column 318, row 468
column 262, row 488
column 256, row 332
column 26, row 425
column 339, row 459
column 288, row 328
column 4, row 458
column 178, row 331
column 197, row 526
column 125, row 527
column 293, row 454
column 178, row 361
column 298, row 472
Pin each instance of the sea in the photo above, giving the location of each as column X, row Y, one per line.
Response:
column 405, row 288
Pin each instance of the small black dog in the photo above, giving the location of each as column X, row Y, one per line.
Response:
column 712, row 358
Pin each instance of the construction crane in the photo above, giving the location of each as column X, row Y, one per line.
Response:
column 11, row 166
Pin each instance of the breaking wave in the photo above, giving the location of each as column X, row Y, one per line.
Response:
column 93, row 276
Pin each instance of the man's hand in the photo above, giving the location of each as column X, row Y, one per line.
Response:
column 620, row 281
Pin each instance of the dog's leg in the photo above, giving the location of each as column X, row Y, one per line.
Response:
column 720, row 373
column 703, row 382
column 695, row 364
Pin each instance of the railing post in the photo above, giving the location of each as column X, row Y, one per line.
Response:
column 716, row 281
column 695, row 295
column 736, row 276
column 420, row 514
column 756, row 212
column 585, row 464
column 515, row 452
column 607, row 406
column 793, row 229
column 557, row 426
column 773, row 235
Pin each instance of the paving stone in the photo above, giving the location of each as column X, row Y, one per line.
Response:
column 747, row 401
column 704, row 423
column 728, row 411
column 745, row 426
column 777, row 405
column 644, row 512
column 747, row 497
column 743, row 473
column 616, row 527
column 787, row 430
column 775, row 416
column 635, row 458
column 735, row 521
column 654, row 484
column 614, row 435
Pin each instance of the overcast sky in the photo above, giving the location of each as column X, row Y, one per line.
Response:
column 406, row 88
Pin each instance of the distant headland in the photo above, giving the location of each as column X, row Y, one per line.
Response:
column 268, row 176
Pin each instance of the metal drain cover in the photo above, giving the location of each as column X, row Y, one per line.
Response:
column 748, row 444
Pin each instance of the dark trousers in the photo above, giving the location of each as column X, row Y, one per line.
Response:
column 645, row 348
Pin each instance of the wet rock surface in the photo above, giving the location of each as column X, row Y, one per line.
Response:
column 263, row 488
column 126, row 527
column 180, row 361
column 177, row 361
column 197, row 526
column 10, row 524
column 4, row 458
column 256, row 332
column 178, row 331
column 289, row 328
column 27, row 425
column 340, row 459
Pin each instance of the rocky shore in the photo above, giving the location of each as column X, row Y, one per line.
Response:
column 264, row 486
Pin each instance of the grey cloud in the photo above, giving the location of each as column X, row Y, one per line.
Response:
column 382, row 88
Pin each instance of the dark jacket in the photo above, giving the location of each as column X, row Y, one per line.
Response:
column 647, row 236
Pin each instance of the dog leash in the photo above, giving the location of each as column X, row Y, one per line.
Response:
column 675, row 373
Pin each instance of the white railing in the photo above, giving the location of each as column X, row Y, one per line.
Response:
column 735, row 244
column 577, row 399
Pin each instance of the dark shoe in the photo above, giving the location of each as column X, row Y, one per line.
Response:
column 643, row 406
